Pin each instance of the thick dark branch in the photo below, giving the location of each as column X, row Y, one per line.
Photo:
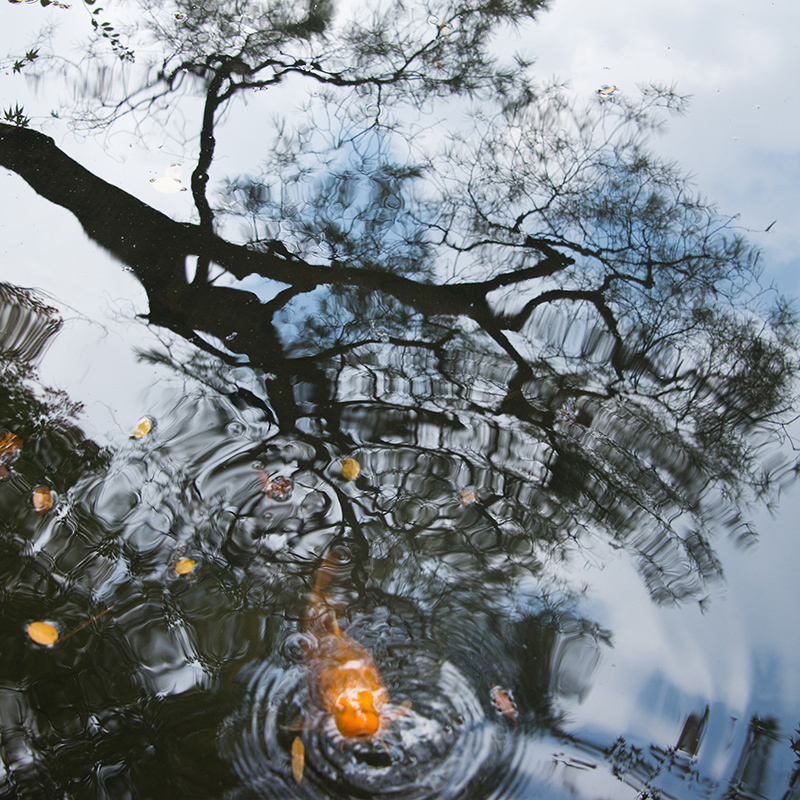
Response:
column 200, row 173
column 156, row 247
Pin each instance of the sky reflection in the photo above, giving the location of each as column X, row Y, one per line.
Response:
column 737, row 61
column 734, row 650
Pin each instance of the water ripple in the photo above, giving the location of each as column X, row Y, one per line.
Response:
column 436, row 750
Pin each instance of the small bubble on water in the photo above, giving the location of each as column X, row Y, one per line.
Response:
column 235, row 429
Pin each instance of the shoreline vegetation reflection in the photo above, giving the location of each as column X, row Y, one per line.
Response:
column 529, row 333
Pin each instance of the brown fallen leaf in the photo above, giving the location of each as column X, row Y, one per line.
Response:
column 468, row 495
column 42, row 499
column 504, row 703
column 143, row 427
column 350, row 468
column 277, row 488
column 43, row 633
column 298, row 758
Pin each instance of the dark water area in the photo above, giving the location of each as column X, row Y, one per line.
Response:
column 286, row 283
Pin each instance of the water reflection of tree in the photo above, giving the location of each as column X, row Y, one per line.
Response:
column 53, row 450
column 601, row 335
column 540, row 309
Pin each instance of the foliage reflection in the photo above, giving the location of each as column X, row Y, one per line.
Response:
column 531, row 333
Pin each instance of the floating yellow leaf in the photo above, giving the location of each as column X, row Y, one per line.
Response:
column 9, row 446
column 143, row 427
column 607, row 90
column 298, row 758
column 42, row 499
column 350, row 469
column 504, row 703
column 183, row 566
column 43, row 633
column 9, row 450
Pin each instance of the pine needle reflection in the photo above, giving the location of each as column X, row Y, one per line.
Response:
column 471, row 358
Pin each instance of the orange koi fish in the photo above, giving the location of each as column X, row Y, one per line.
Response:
column 343, row 680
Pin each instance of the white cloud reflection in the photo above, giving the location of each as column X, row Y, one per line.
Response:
column 739, row 62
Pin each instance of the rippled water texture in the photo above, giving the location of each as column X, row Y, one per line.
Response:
column 284, row 292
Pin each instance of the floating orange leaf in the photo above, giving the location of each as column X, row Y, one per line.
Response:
column 9, row 445
column 143, row 427
column 43, row 633
column 42, row 499
column 504, row 702
column 277, row 488
column 350, row 469
column 468, row 495
column 183, row 566
column 298, row 758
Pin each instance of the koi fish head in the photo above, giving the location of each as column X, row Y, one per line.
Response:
column 356, row 716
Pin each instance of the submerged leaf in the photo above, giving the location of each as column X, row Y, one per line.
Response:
column 143, row 427
column 277, row 488
column 298, row 758
column 183, row 566
column 9, row 447
column 42, row 499
column 350, row 469
column 43, row 633
column 504, row 703
column 468, row 495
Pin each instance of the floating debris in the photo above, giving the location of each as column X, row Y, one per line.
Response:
column 143, row 427
column 10, row 445
column 607, row 89
column 170, row 182
column 277, row 488
column 469, row 495
column 298, row 758
column 350, row 468
column 43, row 633
column 86, row 623
column 184, row 566
column 504, row 703
column 42, row 499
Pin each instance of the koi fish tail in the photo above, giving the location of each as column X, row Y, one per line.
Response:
column 320, row 615
column 324, row 575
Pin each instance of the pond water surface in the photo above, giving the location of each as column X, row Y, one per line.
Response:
column 470, row 330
